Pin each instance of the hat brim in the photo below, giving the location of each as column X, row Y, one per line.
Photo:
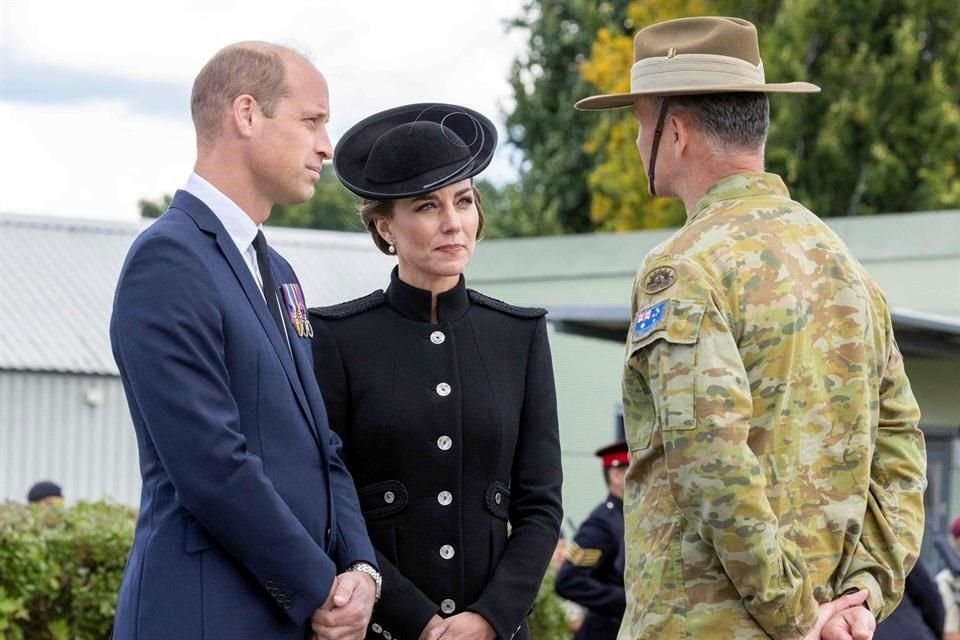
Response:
column 353, row 149
column 620, row 100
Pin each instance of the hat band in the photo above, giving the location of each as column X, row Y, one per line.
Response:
column 692, row 71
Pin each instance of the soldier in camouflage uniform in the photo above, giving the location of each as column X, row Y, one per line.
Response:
column 776, row 465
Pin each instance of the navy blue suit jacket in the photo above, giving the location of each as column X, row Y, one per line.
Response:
column 247, row 512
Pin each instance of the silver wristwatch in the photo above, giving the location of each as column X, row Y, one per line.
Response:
column 367, row 568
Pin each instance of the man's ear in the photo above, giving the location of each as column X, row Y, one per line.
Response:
column 244, row 112
column 680, row 132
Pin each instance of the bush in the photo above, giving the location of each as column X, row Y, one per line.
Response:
column 60, row 569
column 548, row 622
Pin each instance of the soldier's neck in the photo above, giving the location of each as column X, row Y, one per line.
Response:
column 709, row 171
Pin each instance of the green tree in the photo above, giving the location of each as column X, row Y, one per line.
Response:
column 619, row 200
column 543, row 124
column 505, row 214
column 153, row 209
column 332, row 207
column 884, row 135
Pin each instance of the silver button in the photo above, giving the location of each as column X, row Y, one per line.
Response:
column 388, row 497
column 376, row 628
column 444, row 443
column 444, row 498
column 437, row 337
column 448, row 606
column 443, row 389
column 497, row 497
column 386, row 634
column 446, row 552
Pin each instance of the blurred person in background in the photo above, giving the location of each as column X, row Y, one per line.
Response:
column 592, row 575
column 920, row 614
column 948, row 582
column 45, row 492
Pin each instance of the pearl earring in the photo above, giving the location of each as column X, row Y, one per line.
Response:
column 391, row 249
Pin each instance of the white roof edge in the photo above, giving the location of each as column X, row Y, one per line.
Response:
column 907, row 318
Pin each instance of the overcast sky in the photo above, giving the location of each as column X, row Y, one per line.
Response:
column 94, row 95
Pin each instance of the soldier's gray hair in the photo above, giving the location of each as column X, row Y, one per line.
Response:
column 731, row 121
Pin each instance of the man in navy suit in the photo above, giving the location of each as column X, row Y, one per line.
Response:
column 249, row 523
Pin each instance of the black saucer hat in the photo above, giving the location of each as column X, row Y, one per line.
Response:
column 414, row 149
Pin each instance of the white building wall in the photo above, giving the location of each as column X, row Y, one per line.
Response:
column 69, row 428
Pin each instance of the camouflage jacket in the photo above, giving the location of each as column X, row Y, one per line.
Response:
column 775, row 456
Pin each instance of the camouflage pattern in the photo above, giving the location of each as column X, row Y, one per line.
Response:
column 775, row 456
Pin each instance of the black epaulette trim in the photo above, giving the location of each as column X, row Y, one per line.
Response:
column 351, row 307
column 499, row 305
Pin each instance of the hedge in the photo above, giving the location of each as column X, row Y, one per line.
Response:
column 60, row 569
column 548, row 622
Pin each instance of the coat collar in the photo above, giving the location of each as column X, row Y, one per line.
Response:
column 209, row 223
column 415, row 304
column 737, row 187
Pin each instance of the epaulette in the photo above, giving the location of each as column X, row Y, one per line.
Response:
column 351, row 307
column 499, row 305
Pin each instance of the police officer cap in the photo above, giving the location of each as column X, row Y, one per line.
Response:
column 414, row 149
column 613, row 455
column 43, row 490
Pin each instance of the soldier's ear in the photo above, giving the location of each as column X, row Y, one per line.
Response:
column 679, row 131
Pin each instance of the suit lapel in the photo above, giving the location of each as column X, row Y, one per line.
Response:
column 304, row 366
column 208, row 222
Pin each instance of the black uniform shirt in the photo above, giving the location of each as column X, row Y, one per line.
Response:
column 449, row 430
column 592, row 574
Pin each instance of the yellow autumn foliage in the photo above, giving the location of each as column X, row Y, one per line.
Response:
column 619, row 200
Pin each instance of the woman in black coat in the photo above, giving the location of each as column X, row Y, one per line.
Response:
column 444, row 398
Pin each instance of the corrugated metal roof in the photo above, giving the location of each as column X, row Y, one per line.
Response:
column 57, row 278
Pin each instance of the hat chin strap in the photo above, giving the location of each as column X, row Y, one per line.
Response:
column 656, row 144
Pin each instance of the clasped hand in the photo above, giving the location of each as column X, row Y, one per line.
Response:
column 346, row 613
column 844, row 619
column 463, row 626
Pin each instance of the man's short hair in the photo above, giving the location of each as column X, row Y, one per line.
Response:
column 254, row 68
column 731, row 121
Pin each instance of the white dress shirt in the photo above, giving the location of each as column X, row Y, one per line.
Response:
column 240, row 227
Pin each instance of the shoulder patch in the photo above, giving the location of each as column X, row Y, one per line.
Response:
column 499, row 305
column 349, row 308
column 659, row 278
column 648, row 319
column 580, row 557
